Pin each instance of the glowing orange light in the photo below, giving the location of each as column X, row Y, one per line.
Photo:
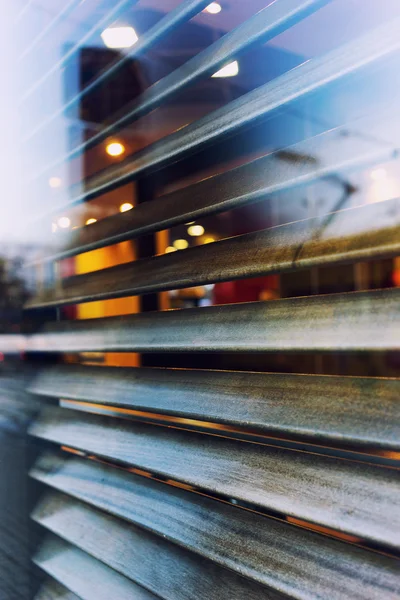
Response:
column 125, row 207
column 115, row 149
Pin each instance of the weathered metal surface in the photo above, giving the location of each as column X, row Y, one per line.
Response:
column 249, row 108
column 292, row 560
column 355, row 498
column 353, row 321
column 344, row 236
column 166, row 25
column 155, row 563
column 52, row 590
column 361, row 411
column 85, row 576
column 243, row 185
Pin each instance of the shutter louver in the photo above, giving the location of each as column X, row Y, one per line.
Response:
column 202, row 483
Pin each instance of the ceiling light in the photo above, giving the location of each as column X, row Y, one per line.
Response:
column 377, row 174
column 55, row 182
column 208, row 240
column 181, row 244
column 115, row 149
column 196, row 230
column 229, row 70
column 214, row 8
column 170, row 249
column 125, row 207
column 119, row 37
column 64, row 222
column 90, row 221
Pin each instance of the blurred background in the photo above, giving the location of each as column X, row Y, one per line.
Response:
column 72, row 71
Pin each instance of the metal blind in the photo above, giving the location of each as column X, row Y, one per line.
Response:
column 200, row 483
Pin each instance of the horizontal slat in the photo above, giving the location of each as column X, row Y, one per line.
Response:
column 12, row 343
column 247, row 109
column 290, row 559
column 52, row 590
column 85, row 576
column 354, row 410
column 358, row 234
column 329, row 153
column 355, row 498
column 161, row 567
column 353, row 321
column 260, row 28
column 180, row 14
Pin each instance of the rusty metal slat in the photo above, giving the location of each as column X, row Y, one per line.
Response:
column 220, row 532
column 361, row 411
column 358, row 234
column 249, row 108
column 83, row 575
column 354, row 498
column 155, row 563
column 359, row 321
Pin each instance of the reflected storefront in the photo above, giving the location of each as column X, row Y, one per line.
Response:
column 199, row 272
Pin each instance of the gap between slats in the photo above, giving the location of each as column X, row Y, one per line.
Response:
column 361, row 498
column 134, row 551
column 358, row 411
column 337, row 238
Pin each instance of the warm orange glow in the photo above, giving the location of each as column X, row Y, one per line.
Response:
column 72, row 450
column 90, row 221
column 214, row 428
column 140, row 472
column 125, row 207
column 181, row 244
column 115, row 149
column 102, row 258
column 196, row 230
column 396, row 272
column 391, row 454
column 326, row 530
